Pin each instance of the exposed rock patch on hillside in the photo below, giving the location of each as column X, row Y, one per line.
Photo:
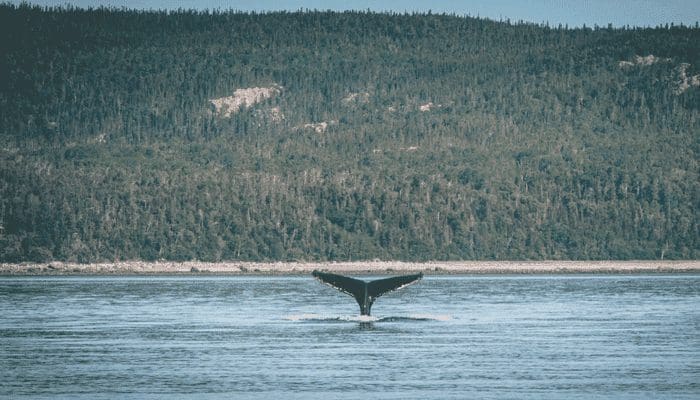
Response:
column 318, row 127
column 684, row 81
column 643, row 61
column 429, row 106
column 243, row 98
column 356, row 98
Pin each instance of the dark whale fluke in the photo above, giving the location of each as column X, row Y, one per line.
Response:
column 366, row 292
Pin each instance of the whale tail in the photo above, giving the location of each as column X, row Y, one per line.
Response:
column 365, row 293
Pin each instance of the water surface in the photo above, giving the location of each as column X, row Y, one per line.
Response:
column 538, row 337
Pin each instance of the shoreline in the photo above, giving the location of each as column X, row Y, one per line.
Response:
column 351, row 267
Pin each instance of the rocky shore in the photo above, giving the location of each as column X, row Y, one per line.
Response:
column 354, row 267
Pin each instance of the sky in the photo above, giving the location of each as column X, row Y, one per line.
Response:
column 573, row 13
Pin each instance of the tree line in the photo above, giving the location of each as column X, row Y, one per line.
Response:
column 445, row 137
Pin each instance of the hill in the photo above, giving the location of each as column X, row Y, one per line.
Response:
column 343, row 136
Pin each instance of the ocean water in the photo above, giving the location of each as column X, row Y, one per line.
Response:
column 487, row 337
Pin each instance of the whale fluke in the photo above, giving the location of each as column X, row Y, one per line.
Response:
column 366, row 292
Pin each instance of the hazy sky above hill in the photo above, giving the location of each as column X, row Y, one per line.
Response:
column 571, row 12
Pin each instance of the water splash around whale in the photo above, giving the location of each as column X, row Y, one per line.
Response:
column 366, row 318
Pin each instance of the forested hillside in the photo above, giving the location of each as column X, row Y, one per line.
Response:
column 343, row 136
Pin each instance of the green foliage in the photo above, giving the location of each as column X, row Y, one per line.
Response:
column 537, row 144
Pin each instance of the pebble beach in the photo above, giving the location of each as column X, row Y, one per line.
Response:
column 350, row 267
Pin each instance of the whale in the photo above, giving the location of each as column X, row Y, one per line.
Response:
column 365, row 293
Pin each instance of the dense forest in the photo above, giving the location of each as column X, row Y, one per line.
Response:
column 317, row 135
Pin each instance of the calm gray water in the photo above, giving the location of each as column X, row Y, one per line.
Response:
column 537, row 337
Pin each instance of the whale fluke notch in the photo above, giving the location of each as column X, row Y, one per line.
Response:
column 365, row 293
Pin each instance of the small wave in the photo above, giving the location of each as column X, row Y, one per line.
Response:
column 320, row 317
column 305, row 317
column 416, row 317
column 431, row 317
